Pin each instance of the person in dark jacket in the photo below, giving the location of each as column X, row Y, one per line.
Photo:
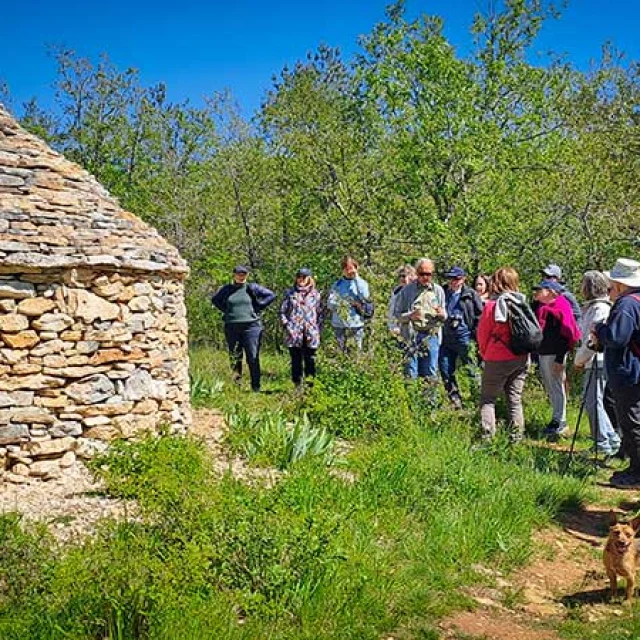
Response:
column 241, row 304
column 464, row 308
column 620, row 338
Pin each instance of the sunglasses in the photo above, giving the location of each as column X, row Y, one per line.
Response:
column 425, row 273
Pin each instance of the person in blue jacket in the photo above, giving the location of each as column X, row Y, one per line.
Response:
column 346, row 301
column 619, row 335
column 241, row 304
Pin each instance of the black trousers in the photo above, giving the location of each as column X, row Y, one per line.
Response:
column 303, row 363
column 627, row 403
column 245, row 336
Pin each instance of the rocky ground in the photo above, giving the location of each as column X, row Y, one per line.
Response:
column 73, row 503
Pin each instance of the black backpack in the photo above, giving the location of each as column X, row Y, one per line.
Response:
column 526, row 335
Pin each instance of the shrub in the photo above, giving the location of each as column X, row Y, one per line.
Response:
column 353, row 398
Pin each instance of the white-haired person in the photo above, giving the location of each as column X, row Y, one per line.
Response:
column 619, row 336
column 596, row 309
column 406, row 274
column 420, row 309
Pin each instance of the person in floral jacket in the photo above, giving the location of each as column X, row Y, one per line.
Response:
column 301, row 317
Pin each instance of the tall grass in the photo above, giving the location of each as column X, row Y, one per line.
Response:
column 380, row 549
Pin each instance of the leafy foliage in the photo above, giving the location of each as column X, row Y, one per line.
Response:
column 407, row 149
column 270, row 438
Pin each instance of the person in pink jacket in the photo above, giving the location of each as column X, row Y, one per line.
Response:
column 560, row 333
column 503, row 369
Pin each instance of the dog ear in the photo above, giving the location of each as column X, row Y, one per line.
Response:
column 613, row 518
column 635, row 524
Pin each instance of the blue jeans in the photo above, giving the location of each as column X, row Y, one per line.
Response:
column 449, row 354
column 428, row 356
column 411, row 367
column 343, row 334
column 593, row 385
column 245, row 336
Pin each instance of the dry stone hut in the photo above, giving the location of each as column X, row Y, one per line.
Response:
column 93, row 331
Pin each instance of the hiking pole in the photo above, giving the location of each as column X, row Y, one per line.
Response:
column 596, row 426
column 575, row 433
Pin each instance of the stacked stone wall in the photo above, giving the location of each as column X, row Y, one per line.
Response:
column 87, row 356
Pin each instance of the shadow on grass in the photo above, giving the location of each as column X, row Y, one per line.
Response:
column 581, row 598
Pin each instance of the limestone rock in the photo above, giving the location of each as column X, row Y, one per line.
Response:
column 89, row 448
column 91, row 390
column 68, row 459
column 36, row 306
column 108, row 409
column 45, row 469
column 29, row 415
column 22, row 340
column 96, row 421
column 86, row 347
column 32, row 383
column 88, row 306
column 47, row 348
column 142, row 385
column 16, row 399
column 105, row 433
column 110, row 290
column 26, row 368
column 13, row 322
column 13, row 433
column 7, row 305
column 133, row 425
column 50, row 447
column 16, row 289
column 20, row 469
column 53, row 322
column 15, row 478
column 63, row 428
column 140, row 303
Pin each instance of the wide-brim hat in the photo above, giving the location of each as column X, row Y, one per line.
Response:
column 625, row 271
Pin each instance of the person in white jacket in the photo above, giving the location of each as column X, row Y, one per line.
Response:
column 595, row 290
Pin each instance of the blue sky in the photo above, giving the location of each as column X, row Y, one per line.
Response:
column 197, row 47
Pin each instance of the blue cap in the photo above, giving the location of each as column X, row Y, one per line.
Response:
column 550, row 284
column 240, row 268
column 305, row 271
column 455, row 272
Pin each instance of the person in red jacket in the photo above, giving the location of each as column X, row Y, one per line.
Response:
column 503, row 369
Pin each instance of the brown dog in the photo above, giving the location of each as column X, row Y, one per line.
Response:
column 621, row 554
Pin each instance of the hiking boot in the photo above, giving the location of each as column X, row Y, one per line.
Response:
column 626, row 480
column 553, row 435
column 551, row 428
column 456, row 401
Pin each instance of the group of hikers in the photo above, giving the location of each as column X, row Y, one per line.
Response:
column 437, row 326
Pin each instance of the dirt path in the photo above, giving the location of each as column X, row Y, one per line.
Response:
column 566, row 573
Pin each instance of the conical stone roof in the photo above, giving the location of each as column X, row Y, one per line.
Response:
column 55, row 215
